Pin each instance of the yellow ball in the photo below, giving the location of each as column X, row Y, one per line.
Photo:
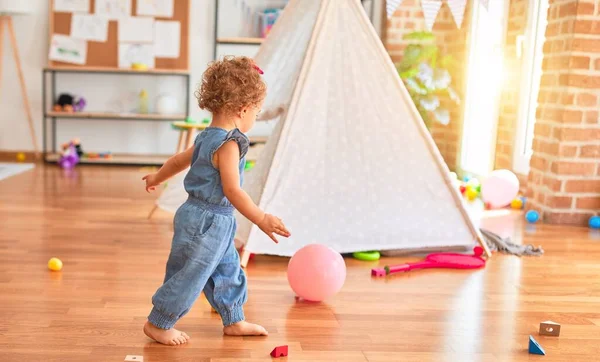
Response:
column 55, row 264
column 517, row 204
column 21, row 157
column 471, row 193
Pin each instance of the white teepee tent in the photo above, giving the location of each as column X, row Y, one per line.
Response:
column 350, row 163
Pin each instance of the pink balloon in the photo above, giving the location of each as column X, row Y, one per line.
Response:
column 316, row 272
column 500, row 188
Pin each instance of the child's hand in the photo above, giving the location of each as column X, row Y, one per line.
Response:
column 151, row 182
column 271, row 224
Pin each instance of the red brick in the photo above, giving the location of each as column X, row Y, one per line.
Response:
column 550, row 148
column 579, row 134
column 567, row 99
column 551, row 113
column 566, row 218
column 597, row 64
column 587, row 27
column 591, row 117
column 564, row 79
column 579, row 62
column 538, row 163
column 585, row 8
column 568, row 9
column 395, row 47
column 572, row 116
column 590, row 151
column 588, row 203
column 587, row 99
column 535, row 177
column 552, row 183
column 566, row 27
column 549, row 80
column 559, row 202
column 586, row 45
column 552, row 30
column 542, row 130
column 582, row 186
column 573, row 168
column 567, row 151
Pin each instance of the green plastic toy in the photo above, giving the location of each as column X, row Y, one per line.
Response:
column 367, row 255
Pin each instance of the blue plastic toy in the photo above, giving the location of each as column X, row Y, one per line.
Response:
column 594, row 222
column 535, row 348
column 532, row 216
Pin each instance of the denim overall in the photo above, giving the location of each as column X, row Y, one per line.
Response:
column 203, row 256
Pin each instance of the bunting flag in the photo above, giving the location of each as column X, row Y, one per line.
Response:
column 431, row 8
column 457, row 8
column 485, row 4
column 391, row 6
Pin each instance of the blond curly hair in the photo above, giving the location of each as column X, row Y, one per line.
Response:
column 231, row 84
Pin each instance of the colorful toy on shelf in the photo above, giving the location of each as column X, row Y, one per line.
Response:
column 69, row 103
column 97, row 155
column 143, row 106
column 21, row 157
column 269, row 17
column 437, row 260
column 594, row 222
column 139, row 66
column 69, row 157
column 532, row 216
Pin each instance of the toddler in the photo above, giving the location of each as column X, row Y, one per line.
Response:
column 203, row 256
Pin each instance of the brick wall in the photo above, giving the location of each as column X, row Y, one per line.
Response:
column 564, row 180
column 408, row 18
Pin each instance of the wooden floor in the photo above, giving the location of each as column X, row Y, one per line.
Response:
column 94, row 219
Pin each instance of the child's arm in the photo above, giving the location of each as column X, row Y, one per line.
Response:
column 227, row 160
column 174, row 165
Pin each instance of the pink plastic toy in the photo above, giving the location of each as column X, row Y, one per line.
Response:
column 437, row 260
column 316, row 272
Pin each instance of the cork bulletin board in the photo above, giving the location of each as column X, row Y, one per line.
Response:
column 105, row 54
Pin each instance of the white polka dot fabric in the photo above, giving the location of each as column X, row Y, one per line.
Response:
column 349, row 164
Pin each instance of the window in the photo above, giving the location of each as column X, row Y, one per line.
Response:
column 484, row 80
column 530, row 48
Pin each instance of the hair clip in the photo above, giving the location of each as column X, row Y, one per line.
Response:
column 258, row 69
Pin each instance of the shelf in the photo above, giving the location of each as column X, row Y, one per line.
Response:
column 108, row 115
column 75, row 69
column 124, row 159
column 240, row 41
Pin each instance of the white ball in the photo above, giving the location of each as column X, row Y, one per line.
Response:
column 499, row 188
column 166, row 104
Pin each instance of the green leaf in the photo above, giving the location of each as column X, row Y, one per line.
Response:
column 423, row 36
column 409, row 73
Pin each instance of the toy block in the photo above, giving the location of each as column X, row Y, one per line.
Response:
column 549, row 328
column 535, row 348
column 130, row 358
column 281, row 351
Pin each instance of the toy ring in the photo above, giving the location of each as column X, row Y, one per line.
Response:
column 367, row 255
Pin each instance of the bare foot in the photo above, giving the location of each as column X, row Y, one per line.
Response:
column 170, row 337
column 244, row 328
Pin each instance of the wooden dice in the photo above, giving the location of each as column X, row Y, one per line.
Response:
column 549, row 328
